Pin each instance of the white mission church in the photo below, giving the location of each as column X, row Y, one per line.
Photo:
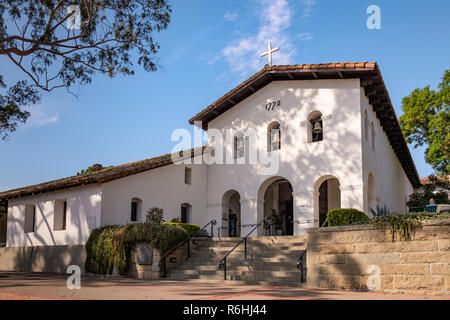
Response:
column 332, row 127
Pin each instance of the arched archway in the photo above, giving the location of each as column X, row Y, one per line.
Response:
column 275, row 198
column 327, row 196
column 231, row 214
column 371, row 193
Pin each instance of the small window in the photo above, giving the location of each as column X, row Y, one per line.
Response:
column 186, row 213
column 187, row 175
column 136, row 205
column 239, row 146
column 315, row 127
column 30, row 218
column 60, row 215
column 274, row 137
column 133, row 211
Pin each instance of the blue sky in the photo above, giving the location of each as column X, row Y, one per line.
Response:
column 210, row 47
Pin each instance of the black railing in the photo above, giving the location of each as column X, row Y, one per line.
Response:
column 267, row 225
column 223, row 261
column 162, row 261
column 301, row 266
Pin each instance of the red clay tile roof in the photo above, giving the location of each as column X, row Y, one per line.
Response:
column 427, row 180
column 100, row 176
column 370, row 79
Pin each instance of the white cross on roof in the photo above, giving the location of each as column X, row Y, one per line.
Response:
column 269, row 52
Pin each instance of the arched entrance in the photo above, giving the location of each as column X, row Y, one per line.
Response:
column 327, row 197
column 276, row 203
column 231, row 214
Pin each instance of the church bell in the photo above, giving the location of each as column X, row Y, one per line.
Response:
column 317, row 127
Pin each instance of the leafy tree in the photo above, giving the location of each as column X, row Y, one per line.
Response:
column 426, row 121
column 38, row 37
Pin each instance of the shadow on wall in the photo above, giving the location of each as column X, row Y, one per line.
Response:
column 54, row 259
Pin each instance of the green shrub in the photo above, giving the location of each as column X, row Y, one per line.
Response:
column 191, row 229
column 342, row 217
column 155, row 215
column 166, row 237
column 111, row 245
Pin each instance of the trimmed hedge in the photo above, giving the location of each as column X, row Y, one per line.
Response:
column 111, row 246
column 191, row 229
column 342, row 217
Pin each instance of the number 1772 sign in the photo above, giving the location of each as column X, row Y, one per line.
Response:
column 271, row 105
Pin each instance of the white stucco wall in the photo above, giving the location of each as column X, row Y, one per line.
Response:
column 83, row 213
column 303, row 164
column 162, row 187
column 391, row 183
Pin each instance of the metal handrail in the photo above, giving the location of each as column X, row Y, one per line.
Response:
column 163, row 259
column 238, row 226
column 301, row 266
column 223, row 261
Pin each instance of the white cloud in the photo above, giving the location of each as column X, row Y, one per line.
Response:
column 243, row 55
column 309, row 6
column 231, row 16
column 305, row 36
column 40, row 117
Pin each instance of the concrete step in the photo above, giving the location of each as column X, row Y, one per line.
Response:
column 263, row 273
column 252, row 242
column 250, row 268
column 254, row 248
column 259, row 240
column 296, row 283
column 238, row 276
column 269, row 259
column 240, row 258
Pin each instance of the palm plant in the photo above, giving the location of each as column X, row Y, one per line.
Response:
column 381, row 211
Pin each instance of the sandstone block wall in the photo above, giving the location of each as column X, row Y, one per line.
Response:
column 347, row 257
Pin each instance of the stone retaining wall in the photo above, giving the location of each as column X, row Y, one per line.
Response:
column 350, row 257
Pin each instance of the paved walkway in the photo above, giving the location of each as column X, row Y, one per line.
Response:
column 16, row 285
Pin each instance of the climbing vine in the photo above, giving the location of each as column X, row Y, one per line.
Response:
column 404, row 225
column 111, row 246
